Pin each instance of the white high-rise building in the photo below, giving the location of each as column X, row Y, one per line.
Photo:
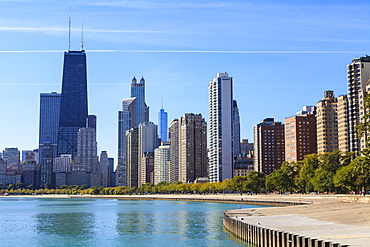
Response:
column 358, row 76
column 162, row 159
column 220, row 128
column 62, row 163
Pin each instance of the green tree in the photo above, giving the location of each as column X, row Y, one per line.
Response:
column 238, row 183
column 345, row 178
column 362, row 170
column 307, row 172
column 255, row 182
column 19, row 185
column 284, row 178
column 324, row 174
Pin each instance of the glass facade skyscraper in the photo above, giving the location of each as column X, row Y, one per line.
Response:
column 73, row 105
column 49, row 118
column 163, row 125
column 142, row 110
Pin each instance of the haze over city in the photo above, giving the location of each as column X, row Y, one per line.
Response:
column 281, row 56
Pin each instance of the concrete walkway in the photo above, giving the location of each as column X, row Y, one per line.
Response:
column 304, row 226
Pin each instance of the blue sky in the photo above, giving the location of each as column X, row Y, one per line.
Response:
column 282, row 55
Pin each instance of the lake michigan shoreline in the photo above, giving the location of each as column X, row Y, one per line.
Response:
column 335, row 218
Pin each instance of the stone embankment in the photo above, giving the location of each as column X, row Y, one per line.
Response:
column 320, row 221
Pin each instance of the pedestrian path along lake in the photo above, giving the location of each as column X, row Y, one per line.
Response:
column 112, row 222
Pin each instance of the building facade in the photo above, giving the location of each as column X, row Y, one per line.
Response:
column 148, row 140
column 236, row 129
column 87, row 158
column 327, row 123
column 163, row 125
column 162, row 158
column 220, row 128
column 104, row 168
column 300, row 137
column 12, row 159
column 46, row 163
column 126, row 121
column 62, row 163
column 49, row 117
column 343, row 123
column 173, row 170
column 132, row 157
column 192, row 148
column 73, row 103
column 269, row 145
column 358, row 75
column 138, row 92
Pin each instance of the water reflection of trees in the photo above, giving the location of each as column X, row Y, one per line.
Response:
column 66, row 224
column 132, row 223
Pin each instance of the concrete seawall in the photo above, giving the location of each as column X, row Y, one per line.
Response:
column 265, row 237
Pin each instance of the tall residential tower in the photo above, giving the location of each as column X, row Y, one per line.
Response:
column 220, row 91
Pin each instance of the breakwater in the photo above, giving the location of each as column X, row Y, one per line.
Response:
column 265, row 237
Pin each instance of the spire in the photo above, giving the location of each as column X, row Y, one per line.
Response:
column 142, row 80
column 162, row 102
column 82, row 34
column 133, row 80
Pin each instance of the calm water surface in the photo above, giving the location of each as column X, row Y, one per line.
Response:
column 110, row 222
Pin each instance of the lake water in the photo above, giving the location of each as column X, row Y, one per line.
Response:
column 111, row 222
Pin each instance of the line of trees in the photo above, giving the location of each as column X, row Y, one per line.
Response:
column 334, row 172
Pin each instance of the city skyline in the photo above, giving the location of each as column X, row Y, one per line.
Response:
column 255, row 51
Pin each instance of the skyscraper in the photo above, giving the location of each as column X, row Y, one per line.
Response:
column 142, row 110
column 343, row 128
column 332, row 123
column 163, row 125
column 147, row 141
column 268, row 145
column 236, row 129
column 49, row 117
column 46, row 161
column 358, row 74
column 12, row 158
column 300, row 136
column 327, row 123
column 173, row 170
column 132, row 157
column 126, row 121
column 192, row 148
column 162, row 158
column 105, row 168
column 86, row 159
column 220, row 128
column 73, row 104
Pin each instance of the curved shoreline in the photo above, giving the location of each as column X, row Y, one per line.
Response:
column 332, row 221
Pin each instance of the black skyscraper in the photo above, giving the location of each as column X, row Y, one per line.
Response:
column 73, row 105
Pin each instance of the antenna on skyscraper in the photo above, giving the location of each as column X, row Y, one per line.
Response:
column 162, row 102
column 69, row 30
column 82, row 34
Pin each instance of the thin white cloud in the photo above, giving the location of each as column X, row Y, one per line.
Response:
column 195, row 51
column 58, row 29
column 335, row 40
column 224, row 51
column 156, row 5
